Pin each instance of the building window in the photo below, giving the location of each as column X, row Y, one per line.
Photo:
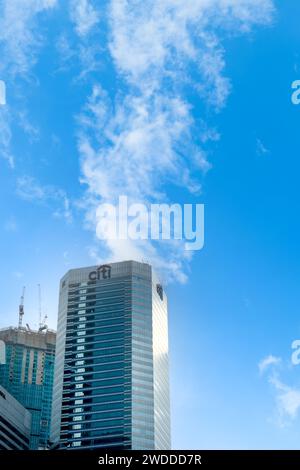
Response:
column 76, row 426
column 78, row 402
column 79, row 378
column 78, row 386
column 76, row 435
column 81, row 305
column 77, row 418
column 78, row 410
column 81, row 340
column 80, row 370
column 81, row 333
column 76, row 444
column 79, row 355
column 79, row 394
column 79, row 363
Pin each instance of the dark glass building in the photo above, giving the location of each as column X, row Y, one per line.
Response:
column 26, row 372
column 111, row 385
column 15, row 423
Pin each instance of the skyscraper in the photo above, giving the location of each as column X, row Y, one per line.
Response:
column 111, row 385
column 26, row 372
column 15, row 423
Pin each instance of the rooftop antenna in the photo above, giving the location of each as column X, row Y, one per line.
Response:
column 21, row 308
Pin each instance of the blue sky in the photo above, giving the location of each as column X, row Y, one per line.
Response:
column 182, row 102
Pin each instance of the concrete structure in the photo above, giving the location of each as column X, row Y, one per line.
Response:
column 111, row 385
column 26, row 372
column 15, row 423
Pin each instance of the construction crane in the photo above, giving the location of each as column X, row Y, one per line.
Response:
column 21, row 308
column 42, row 323
column 40, row 306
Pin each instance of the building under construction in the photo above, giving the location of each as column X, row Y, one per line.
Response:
column 26, row 372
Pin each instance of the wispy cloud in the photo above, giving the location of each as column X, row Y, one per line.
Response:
column 267, row 362
column 287, row 400
column 6, row 136
column 30, row 130
column 144, row 136
column 19, row 36
column 141, row 135
column 287, row 397
column 20, row 40
column 2, row 93
column 29, row 189
column 84, row 15
column 261, row 149
column 155, row 40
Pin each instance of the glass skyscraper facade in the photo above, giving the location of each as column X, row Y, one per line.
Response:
column 27, row 374
column 111, row 385
column 15, row 423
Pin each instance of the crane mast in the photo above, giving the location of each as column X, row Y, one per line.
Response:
column 40, row 306
column 21, row 308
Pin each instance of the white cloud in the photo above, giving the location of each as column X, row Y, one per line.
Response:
column 287, row 397
column 31, row 130
column 261, row 149
column 6, row 136
column 29, row 189
column 64, row 210
column 287, row 400
column 156, row 39
column 2, row 93
column 136, row 152
column 146, row 136
column 267, row 362
column 84, row 15
column 7, row 117
column 19, row 44
column 19, row 37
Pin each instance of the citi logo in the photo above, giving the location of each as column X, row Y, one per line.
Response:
column 102, row 272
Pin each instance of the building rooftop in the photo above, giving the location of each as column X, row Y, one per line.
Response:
column 31, row 338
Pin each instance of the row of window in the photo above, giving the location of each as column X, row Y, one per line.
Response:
column 93, row 406
column 106, row 355
column 100, row 345
column 96, row 327
column 96, row 396
column 92, row 322
column 96, row 335
column 97, row 365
